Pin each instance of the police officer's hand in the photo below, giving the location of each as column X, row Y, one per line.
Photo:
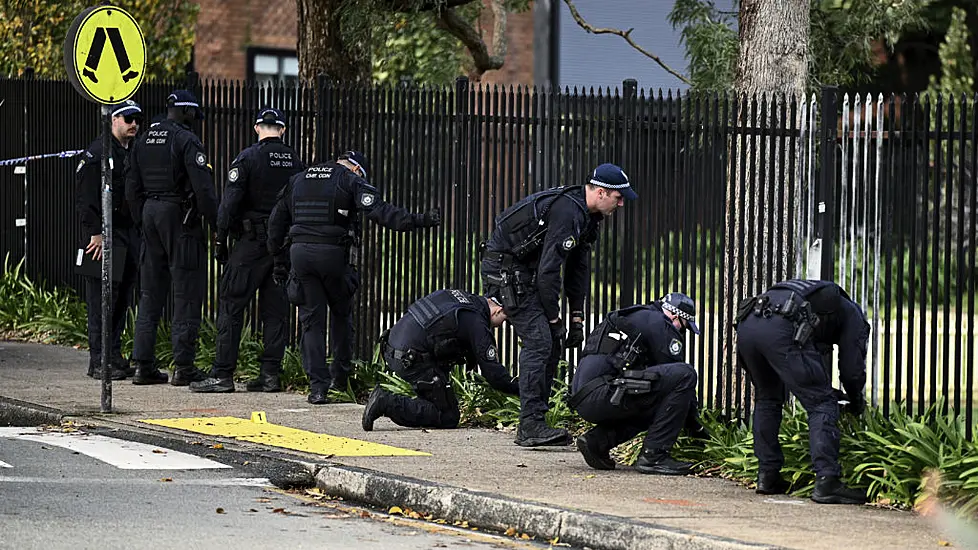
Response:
column 280, row 275
column 558, row 333
column 575, row 337
column 431, row 218
column 221, row 250
column 857, row 405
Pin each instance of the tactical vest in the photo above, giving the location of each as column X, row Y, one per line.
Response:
column 437, row 313
column 317, row 198
column 613, row 331
column 272, row 165
column 154, row 156
column 525, row 223
column 802, row 287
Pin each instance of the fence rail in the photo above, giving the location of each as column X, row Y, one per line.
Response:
column 735, row 193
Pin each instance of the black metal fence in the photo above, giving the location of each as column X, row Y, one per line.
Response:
column 734, row 193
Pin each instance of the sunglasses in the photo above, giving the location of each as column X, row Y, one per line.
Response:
column 133, row 118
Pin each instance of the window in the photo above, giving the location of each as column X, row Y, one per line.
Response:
column 274, row 66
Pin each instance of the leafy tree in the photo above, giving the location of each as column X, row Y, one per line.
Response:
column 957, row 75
column 32, row 34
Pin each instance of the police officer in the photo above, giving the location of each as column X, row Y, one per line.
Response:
column 169, row 186
column 521, row 266
column 254, row 180
column 318, row 210
column 779, row 338
column 126, row 118
column 634, row 378
column 441, row 330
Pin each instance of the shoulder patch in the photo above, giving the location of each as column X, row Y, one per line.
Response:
column 491, row 353
column 569, row 243
column 367, row 199
column 201, row 159
column 233, row 175
column 675, row 347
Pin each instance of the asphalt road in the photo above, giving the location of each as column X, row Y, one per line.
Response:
column 75, row 490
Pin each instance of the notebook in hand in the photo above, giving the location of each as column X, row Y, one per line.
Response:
column 87, row 267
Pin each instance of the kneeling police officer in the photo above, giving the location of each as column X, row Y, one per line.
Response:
column 633, row 378
column 781, row 337
column 441, row 330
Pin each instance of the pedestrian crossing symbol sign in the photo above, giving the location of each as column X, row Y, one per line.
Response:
column 105, row 54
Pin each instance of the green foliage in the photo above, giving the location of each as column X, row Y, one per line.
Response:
column 957, row 77
column 711, row 43
column 32, row 34
column 409, row 46
column 42, row 315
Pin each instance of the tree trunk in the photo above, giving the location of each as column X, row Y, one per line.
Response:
column 772, row 69
column 322, row 47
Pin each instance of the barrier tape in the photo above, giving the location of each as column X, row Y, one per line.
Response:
column 62, row 154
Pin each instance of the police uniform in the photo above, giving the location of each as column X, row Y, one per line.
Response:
column 779, row 337
column 441, row 330
column 169, row 187
column 318, row 210
column 521, row 265
column 88, row 205
column 254, row 180
column 634, row 377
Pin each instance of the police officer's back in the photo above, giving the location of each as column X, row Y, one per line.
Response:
column 444, row 329
column 126, row 118
column 634, row 378
column 254, row 180
column 779, row 334
column 318, row 211
column 169, row 187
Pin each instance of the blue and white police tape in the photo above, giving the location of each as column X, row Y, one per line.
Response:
column 21, row 160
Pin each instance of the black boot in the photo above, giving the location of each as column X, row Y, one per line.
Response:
column 595, row 446
column 123, row 364
column 831, row 490
column 183, row 375
column 317, row 396
column 114, row 373
column 148, row 373
column 658, row 462
column 771, row 483
column 339, row 382
column 375, row 408
column 212, row 385
column 534, row 432
column 267, row 382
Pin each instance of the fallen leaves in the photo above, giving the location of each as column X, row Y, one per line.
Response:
column 166, row 479
column 216, row 446
column 252, row 510
column 159, row 451
column 279, row 511
column 521, row 465
column 942, row 542
column 220, row 511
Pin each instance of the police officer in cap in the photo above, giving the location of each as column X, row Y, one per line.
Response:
column 532, row 242
column 169, row 186
column 634, row 378
column 254, row 180
column 126, row 118
column 318, row 211
column 780, row 337
column 441, row 330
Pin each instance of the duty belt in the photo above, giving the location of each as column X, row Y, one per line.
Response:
column 316, row 239
column 409, row 358
column 795, row 309
column 163, row 197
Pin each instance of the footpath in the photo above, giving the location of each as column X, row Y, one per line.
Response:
column 475, row 475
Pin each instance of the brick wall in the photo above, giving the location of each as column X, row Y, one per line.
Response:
column 226, row 28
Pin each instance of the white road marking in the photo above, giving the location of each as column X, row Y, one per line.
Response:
column 227, row 482
column 126, row 455
column 5, row 465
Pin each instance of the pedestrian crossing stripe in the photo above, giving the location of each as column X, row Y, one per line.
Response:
column 265, row 433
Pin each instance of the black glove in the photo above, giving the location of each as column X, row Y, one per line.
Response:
column 431, row 218
column 857, row 404
column 221, row 250
column 558, row 333
column 280, row 275
column 575, row 337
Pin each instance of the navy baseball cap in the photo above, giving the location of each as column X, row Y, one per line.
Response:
column 612, row 177
column 183, row 98
column 269, row 115
column 358, row 159
column 127, row 107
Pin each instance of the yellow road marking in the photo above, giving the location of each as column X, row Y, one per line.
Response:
column 265, row 433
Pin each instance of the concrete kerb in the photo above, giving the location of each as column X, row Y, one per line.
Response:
column 496, row 512
column 14, row 412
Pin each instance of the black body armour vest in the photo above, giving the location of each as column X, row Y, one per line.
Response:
column 525, row 223
column 274, row 165
column 437, row 314
column 155, row 158
column 317, row 198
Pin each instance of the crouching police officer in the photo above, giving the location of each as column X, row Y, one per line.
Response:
column 441, row 330
column 779, row 337
column 633, row 379
column 126, row 118
column 169, row 186
column 254, row 181
column 521, row 266
column 318, row 210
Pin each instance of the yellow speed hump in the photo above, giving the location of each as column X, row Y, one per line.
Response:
column 105, row 55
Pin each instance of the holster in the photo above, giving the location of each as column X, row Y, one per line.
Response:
column 633, row 382
column 795, row 309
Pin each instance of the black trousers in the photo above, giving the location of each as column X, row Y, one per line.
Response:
column 662, row 412
column 172, row 254
column 436, row 405
column 767, row 351
column 249, row 269
column 323, row 278
column 120, row 302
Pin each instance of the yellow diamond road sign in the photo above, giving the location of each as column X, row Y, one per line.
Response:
column 105, row 55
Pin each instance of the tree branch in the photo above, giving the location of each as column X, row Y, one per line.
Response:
column 458, row 27
column 431, row 5
column 627, row 35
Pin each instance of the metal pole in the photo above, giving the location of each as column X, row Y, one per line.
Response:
column 106, row 258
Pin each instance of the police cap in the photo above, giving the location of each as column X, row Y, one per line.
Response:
column 270, row 115
column 127, row 107
column 681, row 306
column 613, row 177
column 183, row 98
column 357, row 159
